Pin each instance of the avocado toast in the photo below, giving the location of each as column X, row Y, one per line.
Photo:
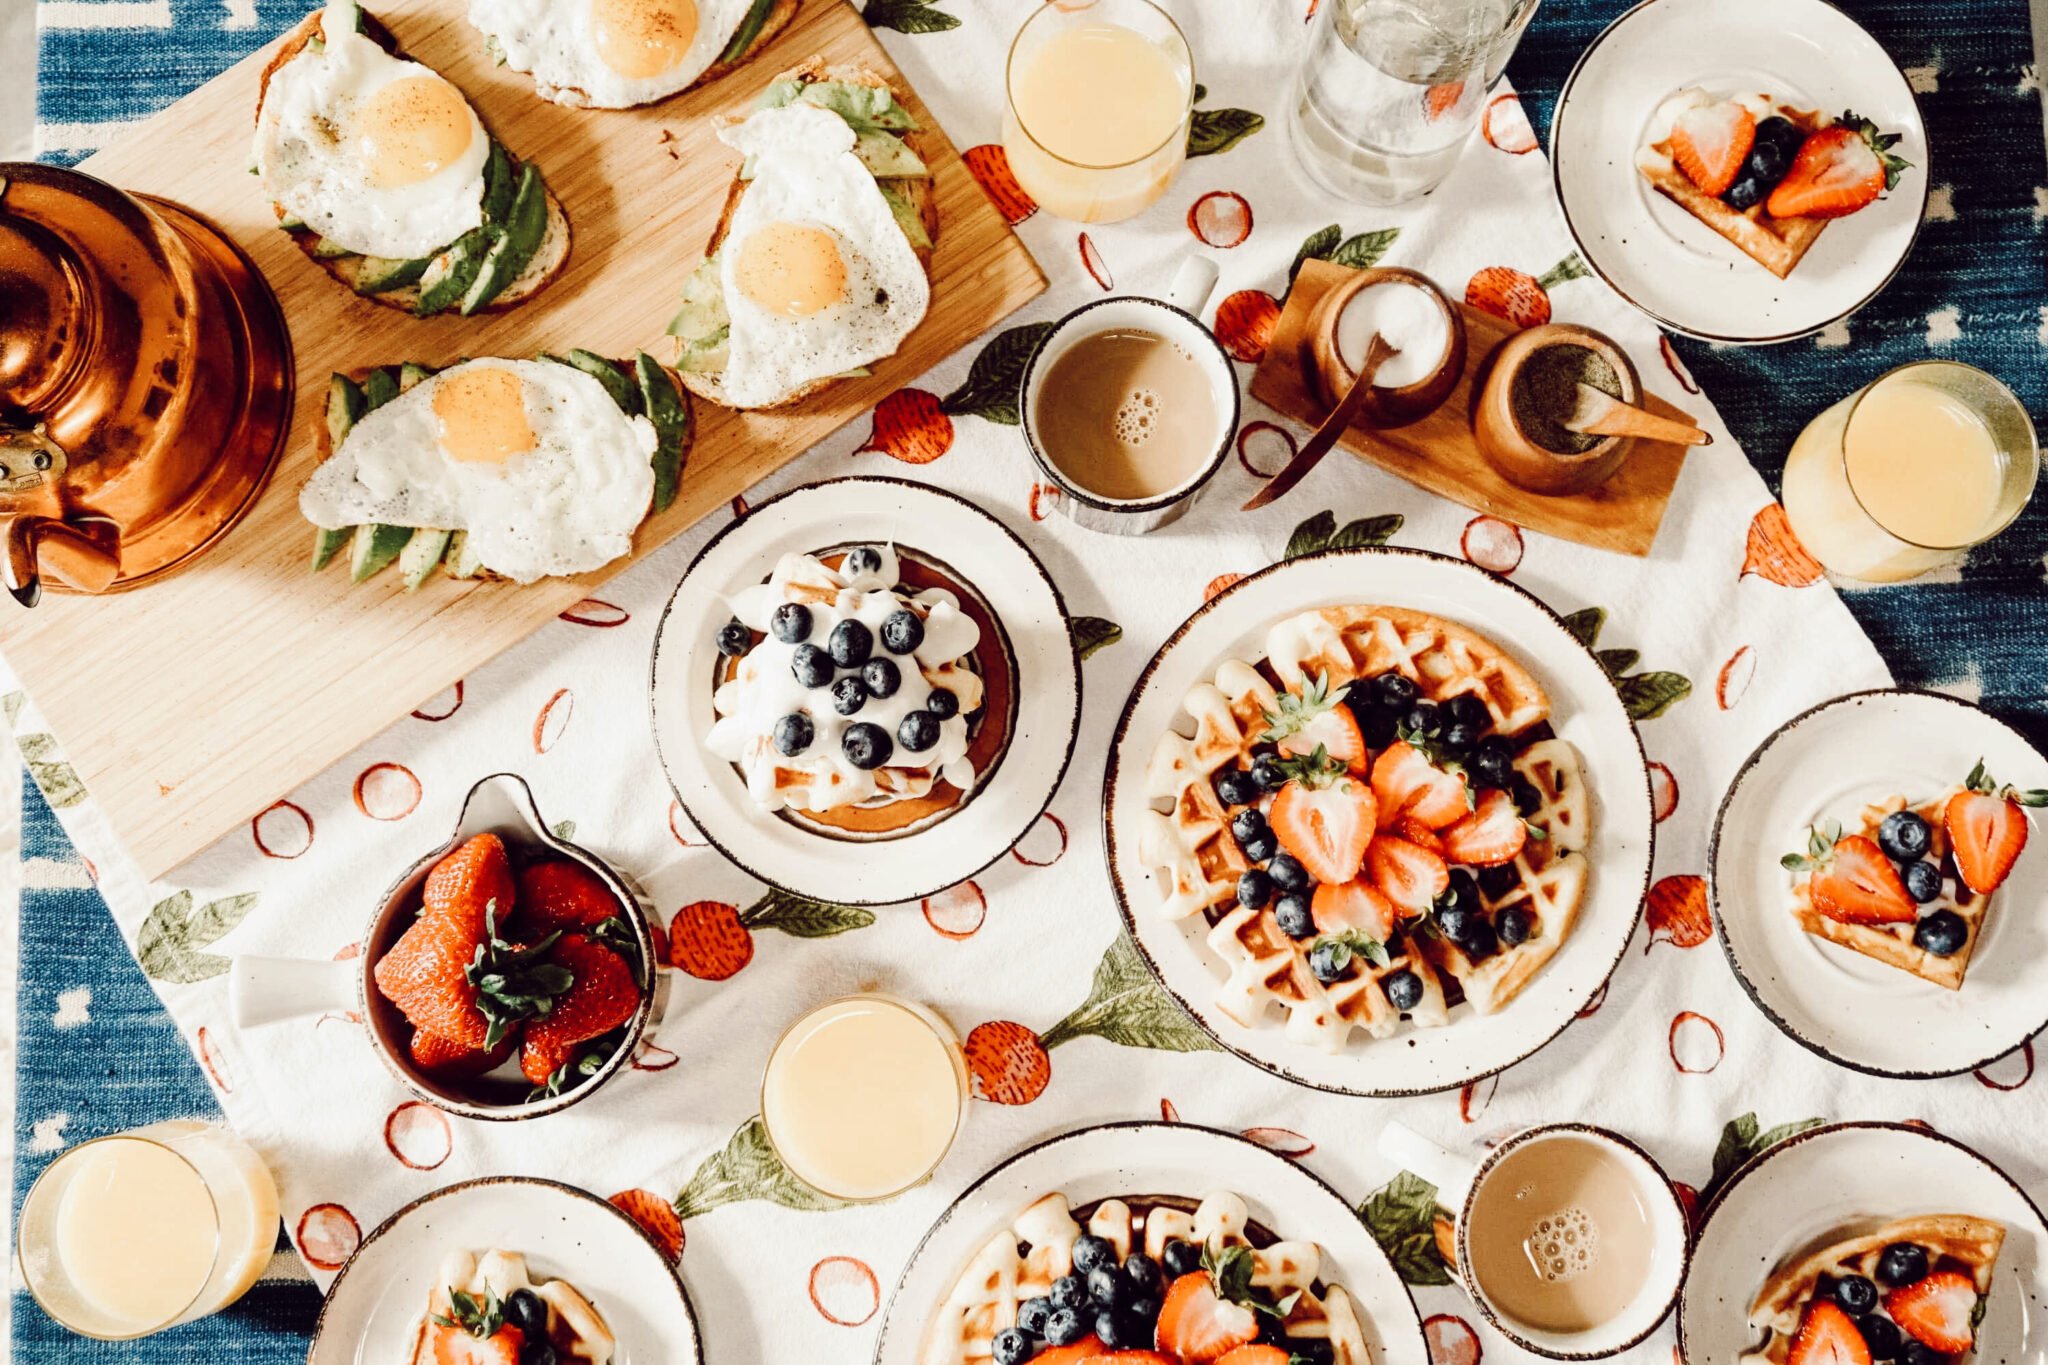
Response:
column 509, row 42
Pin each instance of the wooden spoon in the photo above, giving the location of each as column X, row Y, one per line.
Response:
column 1377, row 352
column 1599, row 413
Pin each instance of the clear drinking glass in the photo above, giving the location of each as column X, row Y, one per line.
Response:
column 1911, row 471
column 1098, row 98
column 1388, row 94
column 127, row 1235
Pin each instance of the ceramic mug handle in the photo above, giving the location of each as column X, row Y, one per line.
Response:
column 1411, row 1151
column 1192, row 284
column 270, row 990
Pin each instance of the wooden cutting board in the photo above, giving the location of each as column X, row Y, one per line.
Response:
column 189, row 705
column 1439, row 453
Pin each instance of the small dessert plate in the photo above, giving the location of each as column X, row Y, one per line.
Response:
column 1585, row 711
column 374, row 1307
column 966, row 547
column 1845, row 1178
column 1659, row 257
column 1830, row 762
column 1128, row 1160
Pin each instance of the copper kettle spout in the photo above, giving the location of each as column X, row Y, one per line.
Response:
column 84, row 554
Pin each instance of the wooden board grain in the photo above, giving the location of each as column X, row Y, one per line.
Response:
column 1438, row 453
column 189, row 705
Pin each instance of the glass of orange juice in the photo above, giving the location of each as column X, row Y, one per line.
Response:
column 1100, row 93
column 1910, row 471
column 864, row 1095
column 126, row 1235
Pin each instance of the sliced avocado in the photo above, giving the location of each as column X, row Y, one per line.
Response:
column 346, row 405
column 671, row 418
column 514, row 249
column 290, row 222
column 889, row 157
column 907, row 218
column 381, row 274
column 865, row 107
column 327, row 544
column 376, row 545
column 622, row 391
column 411, row 373
column 380, row 386
column 327, row 250
column 749, row 29
column 706, row 355
column 499, row 183
column 702, row 312
column 460, row 561
column 454, row 269
column 420, row 555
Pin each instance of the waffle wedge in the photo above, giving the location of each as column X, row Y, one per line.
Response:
column 1777, row 244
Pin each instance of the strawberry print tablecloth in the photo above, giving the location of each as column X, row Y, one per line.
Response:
column 1724, row 632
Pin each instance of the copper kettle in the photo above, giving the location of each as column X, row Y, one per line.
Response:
column 145, row 383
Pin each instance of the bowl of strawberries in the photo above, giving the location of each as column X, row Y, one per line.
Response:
column 506, row 974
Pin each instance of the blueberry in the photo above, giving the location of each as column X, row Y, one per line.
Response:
column 1297, row 921
column 902, row 632
column 1514, row 925
column 1780, row 132
column 734, row 639
column 866, row 746
column 1092, row 1253
column 1141, row 1272
column 1262, row 848
column 1424, row 718
column 1107, row 1287
column 1490, row 764
column 541, row 1352
column 882, row 677
column 1144, row 1310
column 1467, row 709
column 1066, row 1326
column 1527, row 799
column 863, row 559
column 1768, row 162
column 1068, row 1292
column 1290, row 875
column 1942, row 933
column 791, row 623
column 1461, row 894
column 1746, row 193
column 1377, row 726
column 793, row 734
column 1330, row 961
column 1403, row 988
column 1012, row 1346
column 1235, row 787
column 850, row 644
column 1459, row 739
column 524, row 1310
column 1902, row 1264
column 1480, row 941
column 1457, row 921
column 1116, row 1330
column 1031, row 1315
column 1497, row 881
column 1254, row 888
column 1923, row 881
column 1856, row 1294
column 1919, row 1353
column 1881, row 1337
column 811, row 665
column 918, row 731
column 849, row 694
column 1267, row 772
column 1469, row 930
column 1247, row 824
column 1904, row 836
column 1180, row 1258
column 942, row 704
column 1395, row 689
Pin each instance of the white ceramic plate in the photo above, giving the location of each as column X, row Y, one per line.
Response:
column 1662, row 259
column 1830, row 761
column 981, row 552
column 1828, row 1179
column 374, row 1306
column 1127, row 1159
column 1585, row 711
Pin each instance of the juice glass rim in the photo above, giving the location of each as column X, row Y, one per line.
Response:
column 1934, row 363
column 21, row 1235
column 1179, row 129
column 940, row 1030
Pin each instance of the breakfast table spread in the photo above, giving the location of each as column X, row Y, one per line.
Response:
column 1726, row 630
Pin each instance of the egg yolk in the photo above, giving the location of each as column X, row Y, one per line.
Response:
column 643, row 38
column 483, row 416
column 791, row 269
column 412, row 128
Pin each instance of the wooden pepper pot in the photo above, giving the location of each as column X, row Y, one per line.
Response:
column 1505, row 438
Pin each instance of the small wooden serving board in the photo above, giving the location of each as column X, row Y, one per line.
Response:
column 189, row 705
column 1439, row 453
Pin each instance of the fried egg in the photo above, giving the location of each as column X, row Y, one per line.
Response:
column 609, row 54
column 531, row 459
column 380, row 155
column 818, row 277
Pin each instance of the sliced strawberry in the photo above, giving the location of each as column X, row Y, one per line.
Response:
column 1259, row 1354
column 1836, row 171
column 1937, row 1311
column 1405, row 782
column 1710, row 143
column 1987, row 829
column 1325, row 819
column 1411, row 877
column 1491, row 835
column 1340, row 907
column 1314, row 719
column 1135, row 1356
column 1418, row 834
column 1858, row 885
column 1079, row 1352
column 1828, row 1336
column 1197, row 1326
column 453, row 1345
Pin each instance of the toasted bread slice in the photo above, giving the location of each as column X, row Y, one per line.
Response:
column 548, row 260
column 775, row 17
column 923, row 201
column 1776, row 244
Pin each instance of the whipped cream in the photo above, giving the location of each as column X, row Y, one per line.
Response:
column 764, row 689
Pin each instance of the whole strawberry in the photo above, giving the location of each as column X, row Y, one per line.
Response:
column 605, row 993
column 453, row 1061
column 425, row 974
column 561, row 893
column 471, row 880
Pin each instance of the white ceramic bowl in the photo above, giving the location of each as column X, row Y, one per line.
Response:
column 983, row 554
column 1827, row 1179
column 1129, row 1159
column 1585, row 711
column 1662, row 259
column 375, row 1303
column 1831, row 760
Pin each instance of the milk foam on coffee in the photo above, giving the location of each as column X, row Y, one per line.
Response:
column 1560, row 1236
column 1127, row 414
column 1410, row 321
